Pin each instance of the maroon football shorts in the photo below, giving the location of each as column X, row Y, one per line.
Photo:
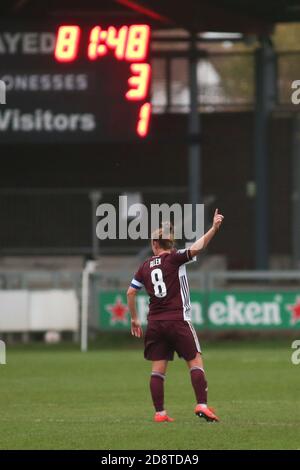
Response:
column 164, row 337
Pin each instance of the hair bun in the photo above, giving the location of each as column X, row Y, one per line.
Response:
column 167, row 231
column 164, row 235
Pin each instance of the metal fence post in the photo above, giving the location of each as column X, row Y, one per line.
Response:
column 88, row 269
column 95, row 197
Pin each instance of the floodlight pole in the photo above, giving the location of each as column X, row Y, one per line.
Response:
column 296, row 191
column 265, row 68
column 95, row 197
column 194, row 147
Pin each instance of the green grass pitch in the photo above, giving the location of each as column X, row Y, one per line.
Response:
column 56, row 398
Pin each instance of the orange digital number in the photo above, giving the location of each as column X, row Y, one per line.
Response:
column 144, row 120
column 66, row 47
column 138, row 82
column 137, row 42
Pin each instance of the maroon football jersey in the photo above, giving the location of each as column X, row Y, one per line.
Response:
column 164, row 278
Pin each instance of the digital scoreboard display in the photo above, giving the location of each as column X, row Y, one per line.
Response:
column 75, row 83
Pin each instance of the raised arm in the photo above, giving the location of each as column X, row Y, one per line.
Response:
column 204, row 241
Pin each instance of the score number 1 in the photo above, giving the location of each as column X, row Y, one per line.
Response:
column 129, row 43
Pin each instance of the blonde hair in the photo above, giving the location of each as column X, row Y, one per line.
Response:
column 164, row 235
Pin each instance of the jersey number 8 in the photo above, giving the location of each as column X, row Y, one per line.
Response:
column 160, row 288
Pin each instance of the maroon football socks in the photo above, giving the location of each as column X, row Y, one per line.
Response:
column 157, row 387
column 199, row 384
column 157, row 390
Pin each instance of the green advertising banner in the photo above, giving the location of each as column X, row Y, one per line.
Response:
column 213, row 310
column 239, row 310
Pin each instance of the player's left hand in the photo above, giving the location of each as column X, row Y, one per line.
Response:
column 136, row 328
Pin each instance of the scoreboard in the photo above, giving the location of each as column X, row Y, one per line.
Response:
column 74, row 82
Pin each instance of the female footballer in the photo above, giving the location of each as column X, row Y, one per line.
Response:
column 169, row 326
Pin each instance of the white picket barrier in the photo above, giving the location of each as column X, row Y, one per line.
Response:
column 39, row 310
column 14, row 311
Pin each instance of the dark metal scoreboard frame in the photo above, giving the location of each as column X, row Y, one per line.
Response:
column 75, row 82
